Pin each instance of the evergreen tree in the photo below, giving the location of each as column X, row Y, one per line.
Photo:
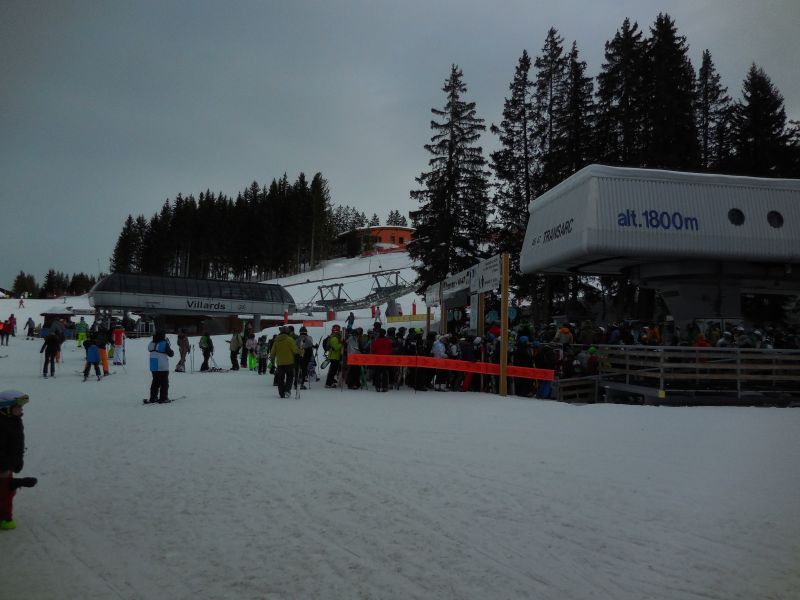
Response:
column 359, row 219
column 452, row 216
column 794, row 150
column 761, row 142
column 340, row 220
column 713, row 115
column 572, row 147
column 140, row 227
column 671, row 135
column 374, row 221
column 621, row 98
column 549, row 100
column 55, row 284
column 396, row 219
column 25, row 284
column 183, row 234
column 157, row 254
column 514, row 170
column 322, row 229
column 124, row 258
column 80, row 283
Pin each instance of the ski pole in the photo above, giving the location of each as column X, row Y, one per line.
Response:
column 191, row 358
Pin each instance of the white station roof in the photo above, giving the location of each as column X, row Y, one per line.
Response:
column 603, row 220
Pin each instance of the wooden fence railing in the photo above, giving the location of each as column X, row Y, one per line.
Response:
column 687, row 369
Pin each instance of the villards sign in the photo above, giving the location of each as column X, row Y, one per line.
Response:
column 206, row 305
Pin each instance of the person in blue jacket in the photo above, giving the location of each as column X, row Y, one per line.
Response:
column 160, row 352
column 92, row 358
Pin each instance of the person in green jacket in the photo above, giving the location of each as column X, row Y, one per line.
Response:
column 334, row 355
column 284, row 354
column 81, row 329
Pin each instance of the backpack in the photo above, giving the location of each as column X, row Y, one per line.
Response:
column 325, row 343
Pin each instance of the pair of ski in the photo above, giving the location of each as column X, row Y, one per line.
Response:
column 106, row 375
column 147, row 401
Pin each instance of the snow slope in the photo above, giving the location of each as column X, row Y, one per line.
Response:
column 235, row 493
column 354, row 275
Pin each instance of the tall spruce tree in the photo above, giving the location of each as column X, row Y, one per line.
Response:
column 713, row 110
column 572, row 146
column 453, row 200
column 621, row 98
column 794, row 149
column 322, row 229
column 671, row 134
column 760, row 139
column 549, row 100
column 25, row 284
column 55, row 284
column 514, row 170
column 124, row 257
column 80, row 283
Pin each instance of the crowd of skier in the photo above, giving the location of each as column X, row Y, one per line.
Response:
column 297, row 361
column 566, row 349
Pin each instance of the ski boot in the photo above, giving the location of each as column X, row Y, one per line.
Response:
column 18, row 482
column 8, row 524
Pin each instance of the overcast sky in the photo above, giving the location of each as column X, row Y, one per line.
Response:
column 108, row 108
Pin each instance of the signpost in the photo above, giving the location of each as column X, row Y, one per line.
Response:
column 432, row 298
column 504, row 326
column 459, row 281
column 488, row 275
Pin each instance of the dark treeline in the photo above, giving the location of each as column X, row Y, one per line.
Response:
column 55, row 284
column 648, row 107
column 264, row 232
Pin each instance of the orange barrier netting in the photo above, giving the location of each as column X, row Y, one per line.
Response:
column 448, row 364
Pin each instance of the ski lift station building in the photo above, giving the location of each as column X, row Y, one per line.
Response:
column 209, row 305
column 703, row 240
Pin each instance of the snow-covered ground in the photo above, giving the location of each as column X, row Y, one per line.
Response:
column 235, row 493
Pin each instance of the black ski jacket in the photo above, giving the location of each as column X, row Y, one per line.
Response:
column 12, row 443
column 51, row 344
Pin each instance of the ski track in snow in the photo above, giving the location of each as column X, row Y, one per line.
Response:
column 236, row 493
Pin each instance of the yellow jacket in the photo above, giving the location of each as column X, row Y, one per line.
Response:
column 284, row 350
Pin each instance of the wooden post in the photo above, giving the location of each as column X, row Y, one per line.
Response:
column 481, row 313
column 504, row 326
column 442, row 312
